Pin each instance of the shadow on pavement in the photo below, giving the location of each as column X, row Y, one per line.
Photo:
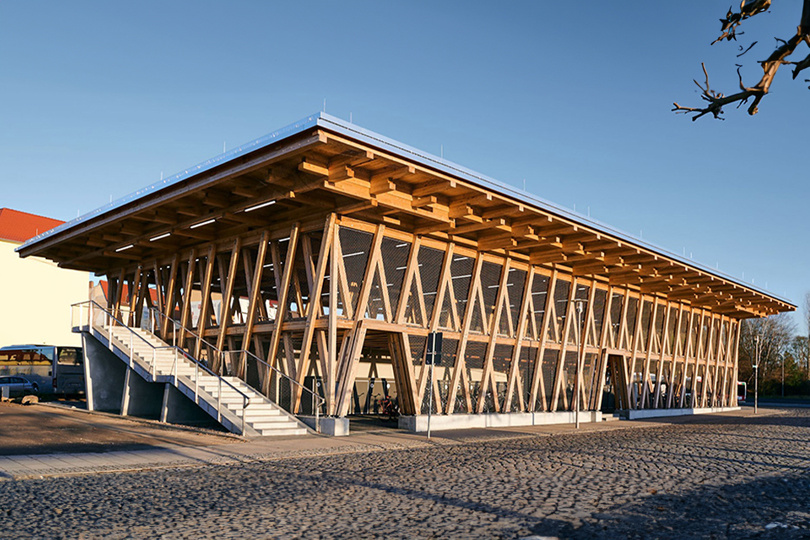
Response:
column 763, row 508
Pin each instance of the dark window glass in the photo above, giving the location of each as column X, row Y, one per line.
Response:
column 69, row 356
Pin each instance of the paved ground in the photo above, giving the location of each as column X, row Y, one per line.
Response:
column 47, row 428
column 723, row 476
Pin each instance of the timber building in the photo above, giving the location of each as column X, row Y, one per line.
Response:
column 320, row 257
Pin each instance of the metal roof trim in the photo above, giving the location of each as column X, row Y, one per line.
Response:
column 372, row 138
column 292, row 129
column 457, row 170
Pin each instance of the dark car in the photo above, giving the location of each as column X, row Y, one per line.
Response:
column 17, row 386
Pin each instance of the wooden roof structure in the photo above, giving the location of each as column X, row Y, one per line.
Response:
column 322, row 164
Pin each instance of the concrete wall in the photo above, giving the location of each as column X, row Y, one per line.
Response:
column 114, row 387
column 35, row 296
column 178, row 409
column 442, row 422
column 104, row 375
column 141, row 398
column 640, row 414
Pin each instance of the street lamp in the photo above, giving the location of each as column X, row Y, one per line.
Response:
column 580, row 303
column 756, row 372
column 783, row 375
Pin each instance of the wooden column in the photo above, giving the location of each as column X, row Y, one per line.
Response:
column 514, row 371
column 461, row 362
column 205, row 303
column 254, row 285
column 314, row 308
column 494, row 323
column 227, row 294
column 602, row 357
column 538, row 386
column 282, row 291
column 558, row 379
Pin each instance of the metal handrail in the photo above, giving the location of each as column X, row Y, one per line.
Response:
column 321, row 401
column 176, row 324
column 221, row 353
column 197, row 364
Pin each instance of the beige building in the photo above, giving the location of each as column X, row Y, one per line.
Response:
column 35, row 294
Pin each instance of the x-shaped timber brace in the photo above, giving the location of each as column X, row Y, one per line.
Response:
column 307, row 297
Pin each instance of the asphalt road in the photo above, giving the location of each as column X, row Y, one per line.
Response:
column 789, row 403
column 703, row 477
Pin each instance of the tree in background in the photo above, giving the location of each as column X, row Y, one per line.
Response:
column 776, row 334
column 807, row 318
column 797, row 365
column 730, row 24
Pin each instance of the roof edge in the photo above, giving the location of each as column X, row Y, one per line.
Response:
column 337, row 125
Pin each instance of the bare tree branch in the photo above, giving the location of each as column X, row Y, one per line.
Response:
column 746, row 50
column 734, row 20
column 803, row 64
column 718, row 100
column 729, row 26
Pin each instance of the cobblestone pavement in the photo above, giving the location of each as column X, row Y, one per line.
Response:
column 705, row 477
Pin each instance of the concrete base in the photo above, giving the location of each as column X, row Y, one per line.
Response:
column 104, row 375
column 442, row 422
column 640, row 414
column 114, row 387
column 178, row 409
column 333, row 427
column 142, row 399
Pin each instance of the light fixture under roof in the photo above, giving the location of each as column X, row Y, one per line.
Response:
column 262, row 205
column 124, row 248
column 160, row 237
column 203, row 223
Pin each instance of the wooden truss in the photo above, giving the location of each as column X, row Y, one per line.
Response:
column 351, row 301
column 331, row 256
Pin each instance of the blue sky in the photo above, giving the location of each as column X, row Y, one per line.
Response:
column 98, row 99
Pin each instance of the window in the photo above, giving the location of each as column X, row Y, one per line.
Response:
column 69, row 356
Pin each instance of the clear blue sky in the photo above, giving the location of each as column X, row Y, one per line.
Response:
column 97, row 99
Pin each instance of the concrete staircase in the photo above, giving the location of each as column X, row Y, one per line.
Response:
column 223, row 398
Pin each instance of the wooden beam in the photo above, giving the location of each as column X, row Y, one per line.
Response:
column 205, row 290
column 227, row 294
column 315, row 300
column 493, row 332
column 431, row 187
column 458, row 371
column 283, row 289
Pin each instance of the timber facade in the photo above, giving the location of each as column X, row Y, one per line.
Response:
column 331, row 252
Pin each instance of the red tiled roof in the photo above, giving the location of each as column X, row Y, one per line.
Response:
column 19, row 226
column 105, row 289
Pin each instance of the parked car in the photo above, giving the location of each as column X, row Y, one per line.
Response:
column 18, row 386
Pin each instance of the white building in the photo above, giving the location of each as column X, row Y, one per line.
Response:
column 35, row 294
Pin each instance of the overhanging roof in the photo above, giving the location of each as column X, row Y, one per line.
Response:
column 323, row 163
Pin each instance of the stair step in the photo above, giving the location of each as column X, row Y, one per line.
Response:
column 273, row 420
column 153, row 354
column 282, row 432
column 262, row 409
column 259, row 426
column 228, row 400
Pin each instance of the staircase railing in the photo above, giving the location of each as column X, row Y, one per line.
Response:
column 98, row 316
column 260, row 375
column 235, row 363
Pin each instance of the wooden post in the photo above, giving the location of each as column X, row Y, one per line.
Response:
column 537, row 383
column 493, row 335
column 227, row 294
